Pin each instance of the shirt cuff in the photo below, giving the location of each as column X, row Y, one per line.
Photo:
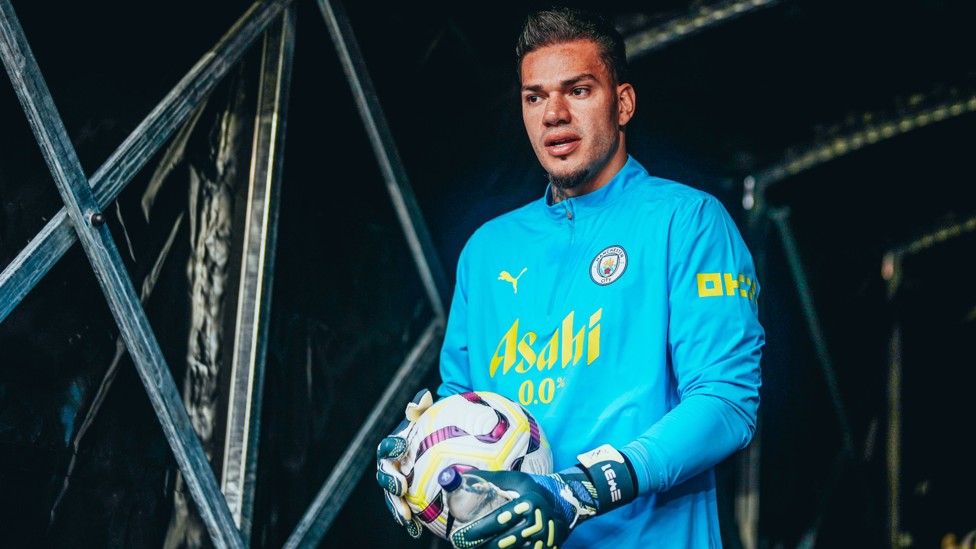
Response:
column 650, row 474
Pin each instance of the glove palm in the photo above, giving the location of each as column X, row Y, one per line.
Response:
column 546, row 508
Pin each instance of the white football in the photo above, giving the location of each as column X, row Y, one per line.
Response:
column 475, row 430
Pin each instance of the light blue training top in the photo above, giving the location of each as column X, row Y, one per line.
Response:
column 626, row 316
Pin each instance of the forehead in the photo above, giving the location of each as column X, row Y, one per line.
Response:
column 559, row 62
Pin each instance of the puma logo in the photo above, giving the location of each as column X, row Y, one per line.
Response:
column 507, row 277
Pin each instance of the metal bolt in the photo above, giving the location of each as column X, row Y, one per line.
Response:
column 97, row 219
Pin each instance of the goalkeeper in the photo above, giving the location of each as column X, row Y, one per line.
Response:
column 620, row 308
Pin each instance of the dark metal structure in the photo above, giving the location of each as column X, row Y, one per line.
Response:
column 226, row 503
column 225, row 510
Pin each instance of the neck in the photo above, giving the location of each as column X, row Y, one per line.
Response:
column 558, row 194
column 597, row 180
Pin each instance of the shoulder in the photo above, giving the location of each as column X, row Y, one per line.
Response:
column 690, row 216
column 673, row 198
column 516, row 221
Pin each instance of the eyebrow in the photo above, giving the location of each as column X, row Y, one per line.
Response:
column 565, row 83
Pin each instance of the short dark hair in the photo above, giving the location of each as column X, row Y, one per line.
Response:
column 559, row 25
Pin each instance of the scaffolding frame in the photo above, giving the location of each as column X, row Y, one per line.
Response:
column 801, row 160
column 226, row 509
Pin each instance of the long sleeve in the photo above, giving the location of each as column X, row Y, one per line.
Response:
column 715, row 342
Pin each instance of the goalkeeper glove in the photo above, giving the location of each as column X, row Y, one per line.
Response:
column 548, row 507
column 388, row 454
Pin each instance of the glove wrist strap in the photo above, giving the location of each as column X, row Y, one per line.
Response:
column 612, row 477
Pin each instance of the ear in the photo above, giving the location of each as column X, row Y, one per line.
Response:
column 626, row 103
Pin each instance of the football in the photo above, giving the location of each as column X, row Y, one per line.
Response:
column 475, row 430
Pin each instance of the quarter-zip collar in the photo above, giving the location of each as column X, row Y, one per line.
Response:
column 572, row 208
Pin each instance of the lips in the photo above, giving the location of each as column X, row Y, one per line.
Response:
column 561, row 143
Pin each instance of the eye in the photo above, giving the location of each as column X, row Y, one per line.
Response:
column 580, row 92
column 532, row 99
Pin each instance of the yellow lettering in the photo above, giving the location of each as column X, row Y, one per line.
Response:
column 572, row 345
column 508, row 341
column 712, row 284
column 593, row 341
column 528, row 355
column 730, row 284
column 518, row 350
column 709, row 284
column 549, row 354
column 547, row 390
column 526, row 390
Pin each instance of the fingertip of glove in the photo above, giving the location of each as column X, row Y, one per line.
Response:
column 389, row 483
column 420, row 396
column 396, row 512
column 414, row 528
column 391, row 448
column 419, row 405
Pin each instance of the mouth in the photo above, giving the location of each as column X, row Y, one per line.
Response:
column 561, row 144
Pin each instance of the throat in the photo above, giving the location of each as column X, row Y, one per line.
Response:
column 558, row 194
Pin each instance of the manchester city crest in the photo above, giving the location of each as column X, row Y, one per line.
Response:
column 608, row 265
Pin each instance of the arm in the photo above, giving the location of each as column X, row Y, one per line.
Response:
column 715, row 342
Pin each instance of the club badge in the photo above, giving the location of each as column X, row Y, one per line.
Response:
column 608, row 265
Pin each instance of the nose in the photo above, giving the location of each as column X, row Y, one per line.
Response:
column 557, row 111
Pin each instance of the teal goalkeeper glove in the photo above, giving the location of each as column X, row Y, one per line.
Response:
column 548, row 507
column 389, row 452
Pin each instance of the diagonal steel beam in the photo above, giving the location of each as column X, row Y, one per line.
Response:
column 781, row 217
column 238, row 479
column 873, row 133
column 700, row 18
column 84, row 212
column 385, row 149
column 359, row 455
column 343, row 478
column 56, row 238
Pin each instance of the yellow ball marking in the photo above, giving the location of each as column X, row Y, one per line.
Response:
column 426, row 476
column 552, row 533
column 507, row 542
column 496, row 462
column 504, row 517
column 538, row 545
column 522, row 508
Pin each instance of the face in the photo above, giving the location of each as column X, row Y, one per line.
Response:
column 574, row 113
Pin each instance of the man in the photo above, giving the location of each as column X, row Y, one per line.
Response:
column 627, row 322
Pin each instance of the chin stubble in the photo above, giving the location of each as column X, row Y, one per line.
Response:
column 569, row 181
